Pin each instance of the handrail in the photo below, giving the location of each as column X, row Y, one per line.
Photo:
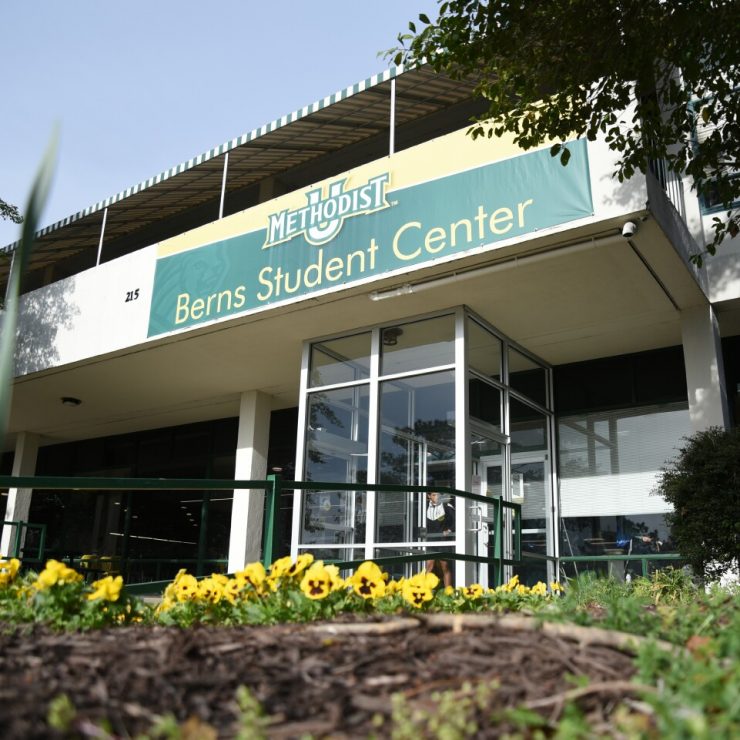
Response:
column 19, row 527
column 643, row 558
column 273, row 487
column 83, row 483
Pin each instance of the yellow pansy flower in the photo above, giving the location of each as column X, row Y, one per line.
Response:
column 8, row 570
column 317, row 581
column 302, row 562
column 108, row 589
column 419, row 589
column 254, row 574
column 555, row 587
column 513, row 583
column 539, row 589
column 56, row 573
column 186, row 587
column 209, row 589
column 474, row 591
column 367, row 581
column 280, row 567
column 233, row 589
column 337, row 582
column 393, row 587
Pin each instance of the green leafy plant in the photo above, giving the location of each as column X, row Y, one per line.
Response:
column 59, row 598
column 703, row 485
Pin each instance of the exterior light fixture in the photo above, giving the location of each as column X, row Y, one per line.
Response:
column 70, row 401
column 390, row 336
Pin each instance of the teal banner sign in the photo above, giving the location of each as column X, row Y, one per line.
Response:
column 343, row 235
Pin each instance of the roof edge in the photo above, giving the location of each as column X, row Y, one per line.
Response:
column 256, row 133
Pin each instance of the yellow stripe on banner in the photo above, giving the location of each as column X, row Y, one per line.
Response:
column 444, row 156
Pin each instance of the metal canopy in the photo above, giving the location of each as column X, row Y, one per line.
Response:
column 327, row 126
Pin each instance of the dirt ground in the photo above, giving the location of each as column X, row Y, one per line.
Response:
column 332, row 680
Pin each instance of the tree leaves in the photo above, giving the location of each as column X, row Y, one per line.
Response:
column 644, row 74
column 10, row 212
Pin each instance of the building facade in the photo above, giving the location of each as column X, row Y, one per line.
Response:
column 358, row 293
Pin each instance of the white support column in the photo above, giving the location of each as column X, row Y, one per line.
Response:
column 102, row 236
column 223, row 186
column 705, row 377
column 392, row 132
column 245, row 542
column 19, row 499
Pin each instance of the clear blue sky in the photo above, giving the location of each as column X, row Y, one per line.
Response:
column 143, row 85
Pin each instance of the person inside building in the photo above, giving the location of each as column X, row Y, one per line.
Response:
column 635, row 541
column 440, row 525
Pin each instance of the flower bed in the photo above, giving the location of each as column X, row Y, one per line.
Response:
column 290, row 590
column 476, row 672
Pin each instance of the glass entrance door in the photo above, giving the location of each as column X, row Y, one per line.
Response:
column 487, row 480
column 529, row 487
column 443, row 401
column 416, row 447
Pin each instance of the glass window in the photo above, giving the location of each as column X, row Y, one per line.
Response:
column 340, row 360
column 418, row 345
column 530, row 481
column 416, row 447
column 487, row 458
column 528, row 428
column 635, row 536
column 484, row 351
column 527, row 377
column 336, row 451
column 609, row 535
column 484, row 401
column 609, row 460
column 336, row 438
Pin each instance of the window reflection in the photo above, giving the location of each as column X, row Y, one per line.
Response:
column 417, row 447
column 336, row 451
column 484, row 351
column 527, row 377
column 418, row 345
column 340, row 360
column 484, row 401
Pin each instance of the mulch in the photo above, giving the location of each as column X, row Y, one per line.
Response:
column 332, row 680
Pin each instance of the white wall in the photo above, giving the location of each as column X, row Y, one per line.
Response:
column 87, row 314
column 723, row 269
column 613, row 198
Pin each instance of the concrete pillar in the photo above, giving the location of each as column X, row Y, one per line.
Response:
column 19, row 499
column 245, row 542
column 705, row 376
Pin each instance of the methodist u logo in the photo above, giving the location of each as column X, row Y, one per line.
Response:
column 321, row 219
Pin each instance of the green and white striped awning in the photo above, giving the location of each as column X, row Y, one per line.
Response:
column 347, row 117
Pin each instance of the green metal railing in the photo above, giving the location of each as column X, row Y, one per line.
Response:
column 21, row 528
column 643, row 558
column 273, row 487
column 495, row 560
column 134, row 486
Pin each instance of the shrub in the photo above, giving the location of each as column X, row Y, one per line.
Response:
column 703, row 485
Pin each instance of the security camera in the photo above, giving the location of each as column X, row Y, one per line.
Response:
column 629, row 229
